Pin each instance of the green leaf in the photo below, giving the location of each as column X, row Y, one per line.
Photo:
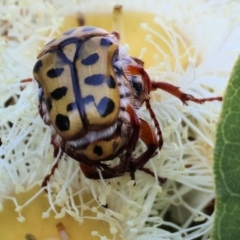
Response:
column 227, row 163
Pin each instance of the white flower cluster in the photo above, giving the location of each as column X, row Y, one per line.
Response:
column 208, row 31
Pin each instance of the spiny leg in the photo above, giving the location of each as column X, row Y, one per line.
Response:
column 145, row 139
column 150, row 142
column 137, row 69
column 54, row 167
column 174, row 90
column 149, row 138
column 153, row 117
column 27, row 80
column 147, row 83
column 47, row 178
column 135, row 124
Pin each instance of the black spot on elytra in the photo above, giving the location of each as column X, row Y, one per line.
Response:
column 105, row 42
column 111, row 82
column 86, row 29
column 105, row 106
column 58, row 93
column 90, row 60
column 37, row 66
column 62, row 122
column 98, row 151
column 88, row 99
column 72, row 106
column 48, row 104
column 69, row 31
column 95, row 79
column 55, row 72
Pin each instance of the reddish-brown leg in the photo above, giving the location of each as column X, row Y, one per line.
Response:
column 133, row 69
column 149, row 138
column 47, row 178
column 25, row 81
column 57, row 148
column 152, row 85
column 179, row 94
column 152, row 114
column 134, row 121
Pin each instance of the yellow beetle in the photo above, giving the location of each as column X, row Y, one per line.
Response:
column 89, row 90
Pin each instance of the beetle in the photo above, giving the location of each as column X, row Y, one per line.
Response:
column 89, row 92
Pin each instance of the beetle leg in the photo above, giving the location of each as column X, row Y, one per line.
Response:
column 138, row 61
column 92, row 171
column 174, row 90
column 47, row 178
column 149, row 138
column 159, row 132
column 27, row 80
column 135, row 123
column 146, row 132
column 139, row 70
column 57, row 151
column 134, row 69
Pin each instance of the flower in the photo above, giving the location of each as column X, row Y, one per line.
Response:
column 193, row 45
